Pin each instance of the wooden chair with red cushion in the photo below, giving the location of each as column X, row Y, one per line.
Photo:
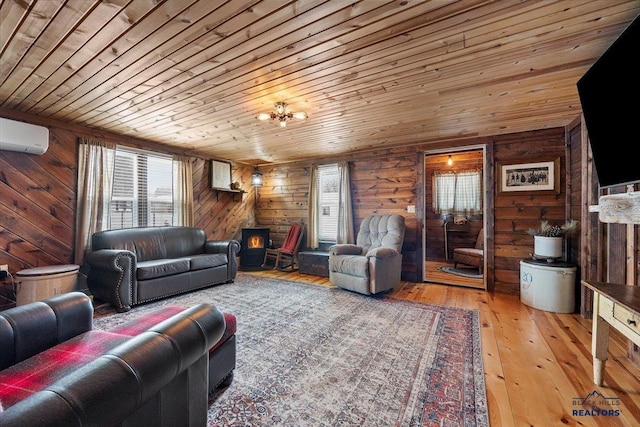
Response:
column 286, row 256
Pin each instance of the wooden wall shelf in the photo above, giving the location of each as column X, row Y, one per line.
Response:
column 224, row 190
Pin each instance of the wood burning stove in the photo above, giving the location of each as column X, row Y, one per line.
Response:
column 255, row 241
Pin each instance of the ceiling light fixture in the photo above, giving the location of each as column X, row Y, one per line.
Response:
column 449, row 160
column 281, row 115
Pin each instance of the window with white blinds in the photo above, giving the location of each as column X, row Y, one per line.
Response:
column 328, row 202
column 142, row 190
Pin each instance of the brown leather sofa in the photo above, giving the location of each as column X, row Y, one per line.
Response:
column 222, row 356
column 133, row 266
column 56, row 370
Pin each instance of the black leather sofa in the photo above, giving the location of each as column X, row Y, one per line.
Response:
column 133, row 266
column 56, row 371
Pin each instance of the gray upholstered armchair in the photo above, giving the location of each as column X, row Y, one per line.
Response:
column 374, row 263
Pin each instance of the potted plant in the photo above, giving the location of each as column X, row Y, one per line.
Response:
column 548, row 239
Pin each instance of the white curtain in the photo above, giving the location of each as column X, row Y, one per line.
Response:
column 457, row 192
column 312, row 233
column 183, row 191
column 444, row 190
column 345, row 209
column 95, row 178
column 468, row 195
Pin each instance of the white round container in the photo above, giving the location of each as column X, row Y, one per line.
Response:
column 548, row 287
column 36, row 284
column 547, row 247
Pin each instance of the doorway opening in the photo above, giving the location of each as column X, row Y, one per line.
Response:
column 454, row 241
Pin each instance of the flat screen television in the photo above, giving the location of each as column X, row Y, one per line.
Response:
column 610, row 97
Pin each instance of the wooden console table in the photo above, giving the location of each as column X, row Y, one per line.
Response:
column 614, row 305
column 451, row 227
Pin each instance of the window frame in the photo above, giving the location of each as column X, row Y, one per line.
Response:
column 328, row 233
column 143, row 213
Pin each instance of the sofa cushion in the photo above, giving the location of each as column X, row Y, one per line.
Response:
column 229, row 330
column 34, row 374
column 146, row 242
column 199, row 262
column 381, row 230
column 137, row 326
column 468, row 255
column 144, row 322
column 183, row 241
column 353, row 265
column 161, row 267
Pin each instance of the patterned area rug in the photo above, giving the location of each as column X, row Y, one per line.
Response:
column 463, row 272
column 310, row 355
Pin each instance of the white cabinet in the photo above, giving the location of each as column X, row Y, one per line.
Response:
column 548, row 286
column 38, row 283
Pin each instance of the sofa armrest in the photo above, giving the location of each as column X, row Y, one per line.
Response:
column 112, row 276
column 29, row 329
column 229, row 247
column 345, row 249
column 382, row 253
column 140, row 379
column 108, row 259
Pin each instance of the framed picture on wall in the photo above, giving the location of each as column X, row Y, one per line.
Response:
column 220, row 175
column 534, row 176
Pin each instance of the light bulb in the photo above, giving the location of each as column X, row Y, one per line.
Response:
column 450, row 160
column 256, row 179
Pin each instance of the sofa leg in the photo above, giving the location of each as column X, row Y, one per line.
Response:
column 216, row 392
column 226, row 381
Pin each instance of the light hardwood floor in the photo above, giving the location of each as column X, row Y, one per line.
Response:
column 536, row 363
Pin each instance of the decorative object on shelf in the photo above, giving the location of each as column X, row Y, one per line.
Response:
column 548, row 230
column 282, row 115
column 460, row 219
column 256, row 178
column 220, row 175
column 534, row 176
column 235, row 186
column 548, row 239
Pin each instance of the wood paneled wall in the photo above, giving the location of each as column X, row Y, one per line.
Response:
column 387, row 181
column 382, row 182
column 37, row 206
column 516, row 212
column 38, row 199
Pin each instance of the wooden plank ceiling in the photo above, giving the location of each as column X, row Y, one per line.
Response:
column 374, row 73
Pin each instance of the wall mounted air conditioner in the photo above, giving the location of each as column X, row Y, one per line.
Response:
column 23, row 137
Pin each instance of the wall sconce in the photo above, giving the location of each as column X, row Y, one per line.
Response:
column 449, row 160
column 256, row 178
